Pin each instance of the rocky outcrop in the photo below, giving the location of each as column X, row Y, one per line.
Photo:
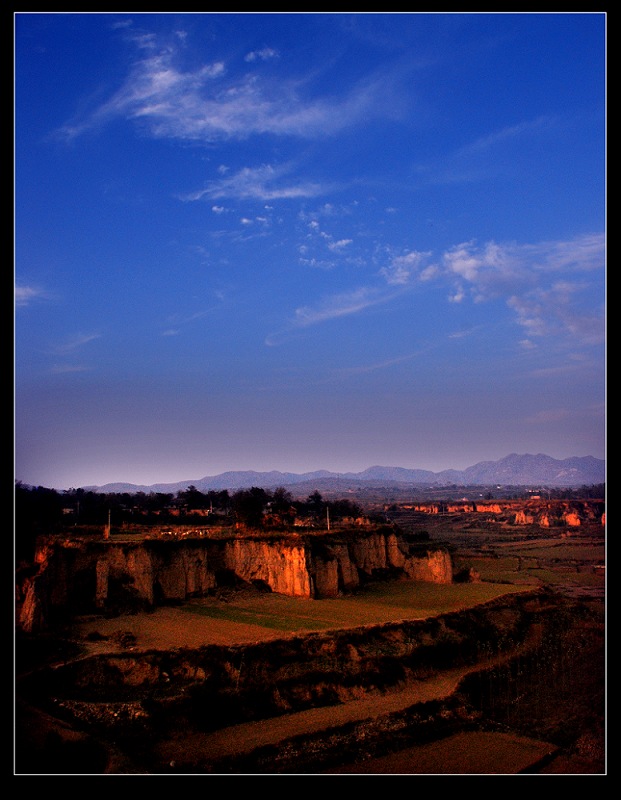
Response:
column 465, row 507
column 342, row 564
column 537, row 511
column 83, row 575
column 522, row 518
column 433, row 569
column 283, row 568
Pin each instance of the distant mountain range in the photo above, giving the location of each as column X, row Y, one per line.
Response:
column 513, row 470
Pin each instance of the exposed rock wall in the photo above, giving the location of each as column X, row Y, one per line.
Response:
column 339, row 565
column 541, row 512
column 433, row 569
column 283, row 567
column 84, row 575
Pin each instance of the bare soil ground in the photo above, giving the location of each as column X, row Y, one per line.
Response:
column 469, row 753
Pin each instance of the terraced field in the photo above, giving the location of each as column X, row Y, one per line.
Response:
column 488, row 713
column 238, row 617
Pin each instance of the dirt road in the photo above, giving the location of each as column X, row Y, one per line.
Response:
column 508, row 753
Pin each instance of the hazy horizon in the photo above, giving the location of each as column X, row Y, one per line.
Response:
column 306, row 241
column 321, row 471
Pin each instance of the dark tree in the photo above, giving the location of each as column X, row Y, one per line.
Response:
column 193, row 499
column 314, row 506
column 344, row 508
column 219, row 501
column 281, row 501
column 248, row 506
column 158, row 501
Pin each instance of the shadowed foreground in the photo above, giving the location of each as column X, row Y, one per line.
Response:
column 399, row 697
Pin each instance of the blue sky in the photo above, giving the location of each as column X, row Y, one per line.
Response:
column 306, row 241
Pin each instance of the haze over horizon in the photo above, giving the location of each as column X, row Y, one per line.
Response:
column 306, row 241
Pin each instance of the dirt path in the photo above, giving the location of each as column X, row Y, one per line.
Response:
column 192, row 750
column 246, row 737
column 195, row 748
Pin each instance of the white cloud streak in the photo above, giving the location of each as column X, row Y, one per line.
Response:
column 542, row 284
column 26, row 295
column 333, row 307
column 507, row 134
column 340, row 305
column 258, row 183
column 79, row 341
column 207, row 104
column 391, row 362
column 486, row 156
column 62, row 369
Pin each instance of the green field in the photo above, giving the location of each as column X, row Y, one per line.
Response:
column 376, row 604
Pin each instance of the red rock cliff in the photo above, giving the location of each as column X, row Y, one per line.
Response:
column 80, row 575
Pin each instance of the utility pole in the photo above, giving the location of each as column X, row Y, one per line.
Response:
column 107, row 528
column 328, row 516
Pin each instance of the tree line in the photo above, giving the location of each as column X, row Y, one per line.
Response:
column 39, row 510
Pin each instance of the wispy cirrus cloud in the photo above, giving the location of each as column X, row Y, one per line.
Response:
column 583, row 254
column 479, row 159
column 69, row 350
column 210, row 103
column 340, row 305
column 26, row 295
column 75, row 343
column 506, row 134
column 332, row 307
column 347, row 372
column 177, row 321
column 549, row 416
column 63, row 369
column 258, row 183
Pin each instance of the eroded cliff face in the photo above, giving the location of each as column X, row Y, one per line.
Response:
column 435, row 568
column 77, row 576
column 541, row 512
column 342, row 563
column 283, row 567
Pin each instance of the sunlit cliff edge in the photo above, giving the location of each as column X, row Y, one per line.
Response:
column 83, row 575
